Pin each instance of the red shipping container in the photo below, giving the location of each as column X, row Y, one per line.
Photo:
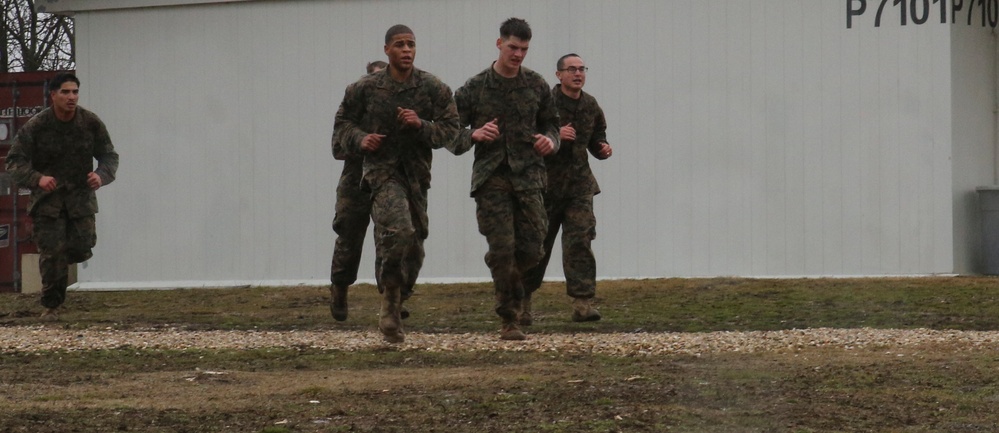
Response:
column 22, row 95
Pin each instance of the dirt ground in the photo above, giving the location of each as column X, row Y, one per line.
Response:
column 878, row 355
column 918, row 388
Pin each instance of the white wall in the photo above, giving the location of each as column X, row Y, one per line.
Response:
column 752, row 137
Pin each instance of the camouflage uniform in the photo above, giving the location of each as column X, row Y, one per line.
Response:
column 569, row 198
column 398, row 173
column 350, row 223
column 508, row 175
column 64, row 223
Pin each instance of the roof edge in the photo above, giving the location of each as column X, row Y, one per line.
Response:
column 71, row 6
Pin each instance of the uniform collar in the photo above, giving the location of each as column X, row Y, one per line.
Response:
column 495, row 79
column 385, row 80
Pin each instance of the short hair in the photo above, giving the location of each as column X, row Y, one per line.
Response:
column 515, row 27
column 377, row 64
column 561, row 60
column 397, row 29
column 60, row 79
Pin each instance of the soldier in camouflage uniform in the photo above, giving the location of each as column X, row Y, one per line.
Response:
column 53, row 155
column 375, row 66
column 353, row 211
column 395, row 118
column 571, row 187
column 513, row 125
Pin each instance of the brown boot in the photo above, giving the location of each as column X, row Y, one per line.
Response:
column 583, row 311
column 511, row 332
column 526, row 319
column 50, row 315
column 391, row 323
column 338, row 302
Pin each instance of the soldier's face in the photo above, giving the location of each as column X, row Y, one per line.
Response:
column 401, row 51
column 65, row 98
column 573, row 75
column 512, row 51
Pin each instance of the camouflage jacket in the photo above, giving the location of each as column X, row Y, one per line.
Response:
column 340, row 153
column 66, row 151
column 370, row 106
column 523, row 107
column 352, row 163
column 569, row 173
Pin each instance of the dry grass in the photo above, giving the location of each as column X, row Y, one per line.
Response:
column 929, row 387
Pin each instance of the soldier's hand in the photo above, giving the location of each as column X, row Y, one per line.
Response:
column 605, row 150
column 567, row 132
column 408, row 118
column 487, row 133
column 94, row 181
column 371, row 142
column 47, row 183
column 543, row 145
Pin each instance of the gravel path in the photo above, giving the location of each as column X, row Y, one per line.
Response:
column 41, row 338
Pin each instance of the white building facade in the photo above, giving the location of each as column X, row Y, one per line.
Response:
column 752, row 137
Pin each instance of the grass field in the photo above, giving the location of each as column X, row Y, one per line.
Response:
column 927, row 388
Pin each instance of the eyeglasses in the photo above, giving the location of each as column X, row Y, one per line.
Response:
column 573, row 69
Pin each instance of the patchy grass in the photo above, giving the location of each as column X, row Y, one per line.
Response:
column 662, row 305
column 815, row 390
column 921, row 389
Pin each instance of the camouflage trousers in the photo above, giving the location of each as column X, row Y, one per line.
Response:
column 61, row 241
column 350, row 223
column 399, row 212
column 413, row 264
column 574, row 215
column 514, row 224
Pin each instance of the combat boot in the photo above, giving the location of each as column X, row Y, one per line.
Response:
column 526, row 319
column 338, row 303
column 391, row 323
column 50, row 315
column 512, row 332
column 583, row 311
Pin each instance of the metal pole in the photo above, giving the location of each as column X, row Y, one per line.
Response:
column 995, row 107
column 16, row 190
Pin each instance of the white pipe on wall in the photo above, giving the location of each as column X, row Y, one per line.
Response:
column 995, row 106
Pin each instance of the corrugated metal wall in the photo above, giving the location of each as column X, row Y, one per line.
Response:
column 752, row 137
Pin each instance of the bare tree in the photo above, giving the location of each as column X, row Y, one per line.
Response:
column 35, row 41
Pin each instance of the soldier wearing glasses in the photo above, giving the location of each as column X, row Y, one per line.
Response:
column 571, row 187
